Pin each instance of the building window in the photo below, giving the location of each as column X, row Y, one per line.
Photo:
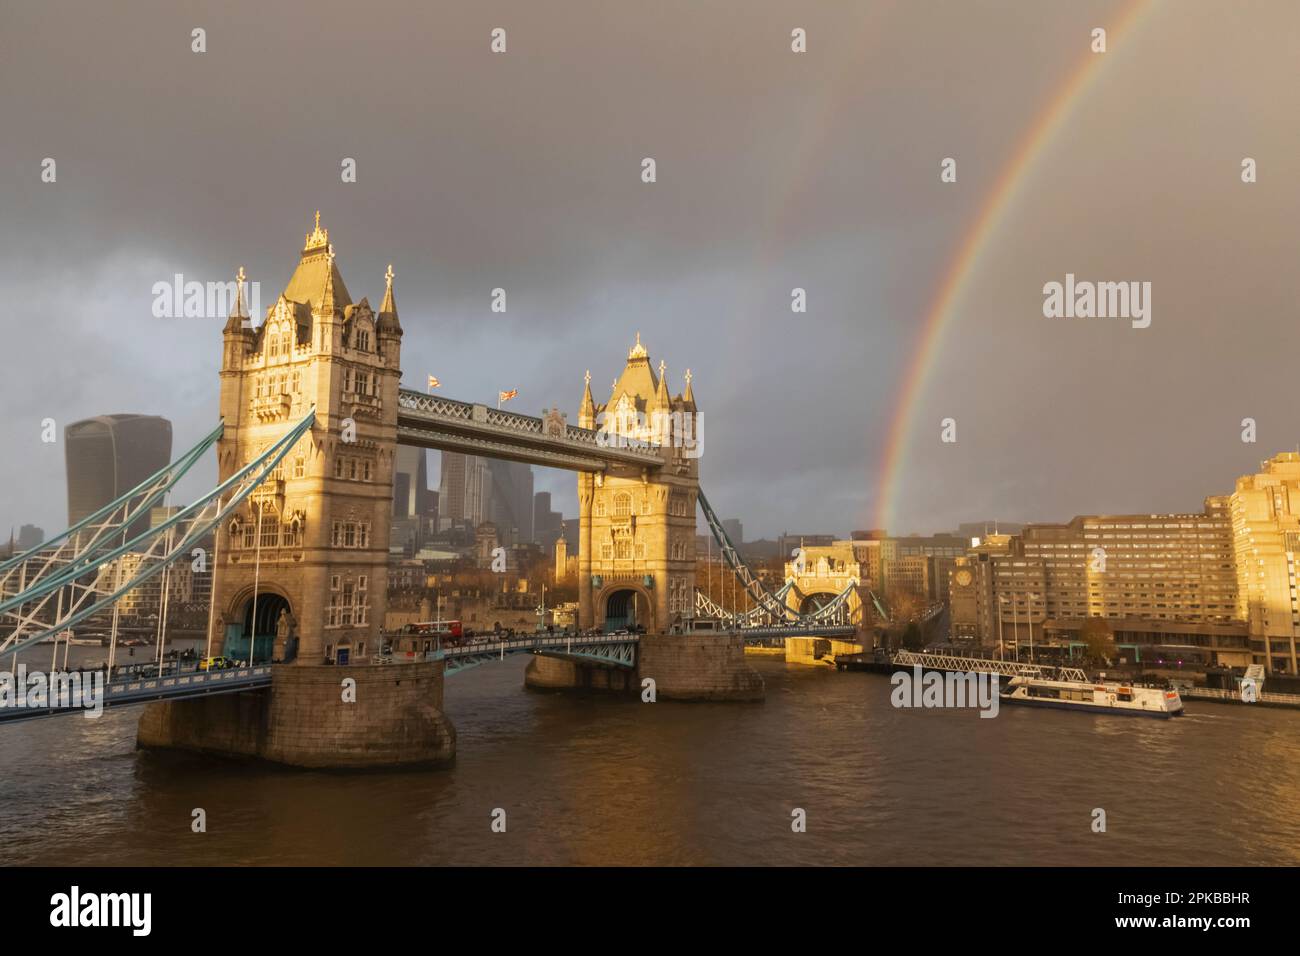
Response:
column 622, row 505
column 600, row 509
column 338, row 467
column 299, row 467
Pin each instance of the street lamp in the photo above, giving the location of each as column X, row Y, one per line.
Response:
column 1015, row 623
column 1001, row 600
column 1029, row 619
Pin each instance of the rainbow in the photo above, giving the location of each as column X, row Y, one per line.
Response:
column 993, row 211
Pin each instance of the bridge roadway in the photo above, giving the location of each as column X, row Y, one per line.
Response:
column 606, row 650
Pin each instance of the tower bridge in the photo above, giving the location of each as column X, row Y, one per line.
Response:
column 312, row 413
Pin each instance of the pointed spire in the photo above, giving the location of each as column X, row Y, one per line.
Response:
column 662, row 398
column 637, row 351
column 388, row 309
column 587, row 410
column 317, row 239
column 327, row 304
column 239, row 313
column 688, row 396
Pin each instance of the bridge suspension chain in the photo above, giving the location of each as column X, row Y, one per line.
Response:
column 770, row 609
column 68, row 597
column 95, row 534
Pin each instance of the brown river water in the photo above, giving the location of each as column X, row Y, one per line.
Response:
column 604, row 780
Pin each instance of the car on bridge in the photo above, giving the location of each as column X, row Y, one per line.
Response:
column 217, row 663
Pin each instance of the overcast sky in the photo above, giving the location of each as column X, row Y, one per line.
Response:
column 775, row 170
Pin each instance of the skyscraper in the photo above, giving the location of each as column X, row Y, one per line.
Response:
column 511, row 502
column 474, row 490
column 548, row 525
column 464, row 488
column 415, row 506
column 108, row 456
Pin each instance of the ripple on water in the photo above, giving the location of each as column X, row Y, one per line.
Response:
column 600, row 780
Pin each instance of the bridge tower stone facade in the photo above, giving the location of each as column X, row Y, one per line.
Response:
column 300, row 571
column 636, row 556
column 312, row 542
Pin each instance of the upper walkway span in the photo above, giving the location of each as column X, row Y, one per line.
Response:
column 428, row 421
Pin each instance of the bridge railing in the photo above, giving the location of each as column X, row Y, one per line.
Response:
column 955, row 662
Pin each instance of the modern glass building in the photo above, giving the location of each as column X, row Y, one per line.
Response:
column 108, row 456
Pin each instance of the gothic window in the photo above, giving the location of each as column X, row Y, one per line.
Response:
column 338, row 467
column 273, row 347
column 363, row 340
column 293, row 533
column 622, row 505
column 363, row 536
column 606, row 552
column 297, row 382
column 600, row 509
column 623, row 550
column 640, row 550
column 365, row 470
column 270, row 532
column 299, row 467
column 347, row 380
column 250, row 535
column 352, row 469
column 346, row 604
column 234, row 532
column 645, row 505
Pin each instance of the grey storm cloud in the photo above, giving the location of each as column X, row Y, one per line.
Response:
column 775, row 170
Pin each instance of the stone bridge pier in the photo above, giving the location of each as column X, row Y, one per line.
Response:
column 684, row 667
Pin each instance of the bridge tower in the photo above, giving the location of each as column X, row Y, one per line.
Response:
column 636, row 556
column 303, row 564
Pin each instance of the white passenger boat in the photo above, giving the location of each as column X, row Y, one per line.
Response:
column 1101, row 697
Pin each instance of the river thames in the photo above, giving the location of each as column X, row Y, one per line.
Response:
column 605, row 780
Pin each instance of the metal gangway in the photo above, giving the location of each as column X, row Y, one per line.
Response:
column 985, row 665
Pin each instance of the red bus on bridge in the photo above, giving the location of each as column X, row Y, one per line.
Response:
column 425, row 636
